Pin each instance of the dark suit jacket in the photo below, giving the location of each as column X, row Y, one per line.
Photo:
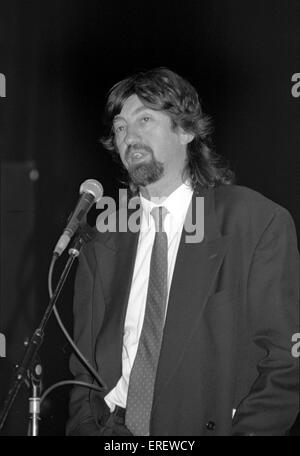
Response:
column 232, row 311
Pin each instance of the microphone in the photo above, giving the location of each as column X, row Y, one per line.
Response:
column 91, row 192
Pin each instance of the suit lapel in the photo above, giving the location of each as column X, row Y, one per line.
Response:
column 116, row 264
column 194, row 274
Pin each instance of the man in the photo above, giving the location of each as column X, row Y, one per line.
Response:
column 191, row 338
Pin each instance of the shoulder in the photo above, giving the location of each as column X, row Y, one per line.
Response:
column 112, row 232
column 238, row 196
column 247, row 208
column 96, row 241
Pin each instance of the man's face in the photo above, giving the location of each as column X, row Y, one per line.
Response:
column 150, row 149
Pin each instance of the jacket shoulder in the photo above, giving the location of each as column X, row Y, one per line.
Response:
column 246, row 208
column 240, row 195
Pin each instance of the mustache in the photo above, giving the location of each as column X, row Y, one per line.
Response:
column 139, row 147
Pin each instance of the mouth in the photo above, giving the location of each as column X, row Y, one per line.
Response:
column 137, row 156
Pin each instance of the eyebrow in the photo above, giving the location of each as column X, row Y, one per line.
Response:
column 136, row 111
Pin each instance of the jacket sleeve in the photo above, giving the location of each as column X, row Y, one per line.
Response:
column 81, row 419
column 272, row 404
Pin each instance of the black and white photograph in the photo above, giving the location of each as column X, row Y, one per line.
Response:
column 149, row 220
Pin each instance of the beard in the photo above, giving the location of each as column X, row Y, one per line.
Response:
column 142, row 174
column 146, row 173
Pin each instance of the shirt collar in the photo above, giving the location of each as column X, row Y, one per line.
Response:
column 176, row 203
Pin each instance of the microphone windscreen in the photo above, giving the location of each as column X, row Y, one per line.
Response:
column 92, row 186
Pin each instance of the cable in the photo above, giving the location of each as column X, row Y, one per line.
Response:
column 69, row 382
column 68, row 337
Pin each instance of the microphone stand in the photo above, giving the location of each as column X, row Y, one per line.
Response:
column 30, row 367
column 35, row 374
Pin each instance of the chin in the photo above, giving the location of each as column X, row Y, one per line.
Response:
column 144, row 175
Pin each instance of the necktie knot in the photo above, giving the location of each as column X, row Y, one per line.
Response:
column 159, row 213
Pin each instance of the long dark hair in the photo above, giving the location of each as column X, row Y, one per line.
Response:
column 162, row 89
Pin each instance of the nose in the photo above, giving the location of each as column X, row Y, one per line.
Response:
column 132, row 136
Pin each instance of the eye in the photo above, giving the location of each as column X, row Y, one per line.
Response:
column 145, row 119
column 119, row 128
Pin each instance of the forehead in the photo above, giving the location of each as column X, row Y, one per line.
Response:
column 132, row 106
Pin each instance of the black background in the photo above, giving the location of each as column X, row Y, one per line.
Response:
column 60, row 58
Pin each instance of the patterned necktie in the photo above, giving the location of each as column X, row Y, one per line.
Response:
column 143, row 373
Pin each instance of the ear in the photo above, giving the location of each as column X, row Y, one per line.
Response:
column 185, row 137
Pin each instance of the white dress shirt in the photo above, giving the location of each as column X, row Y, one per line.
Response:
column 177, row 205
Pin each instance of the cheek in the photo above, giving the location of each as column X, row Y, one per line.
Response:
column 122, row 158
column 121, row 155
column 120, row 149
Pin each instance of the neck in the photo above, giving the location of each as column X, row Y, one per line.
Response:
column 160, row 190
